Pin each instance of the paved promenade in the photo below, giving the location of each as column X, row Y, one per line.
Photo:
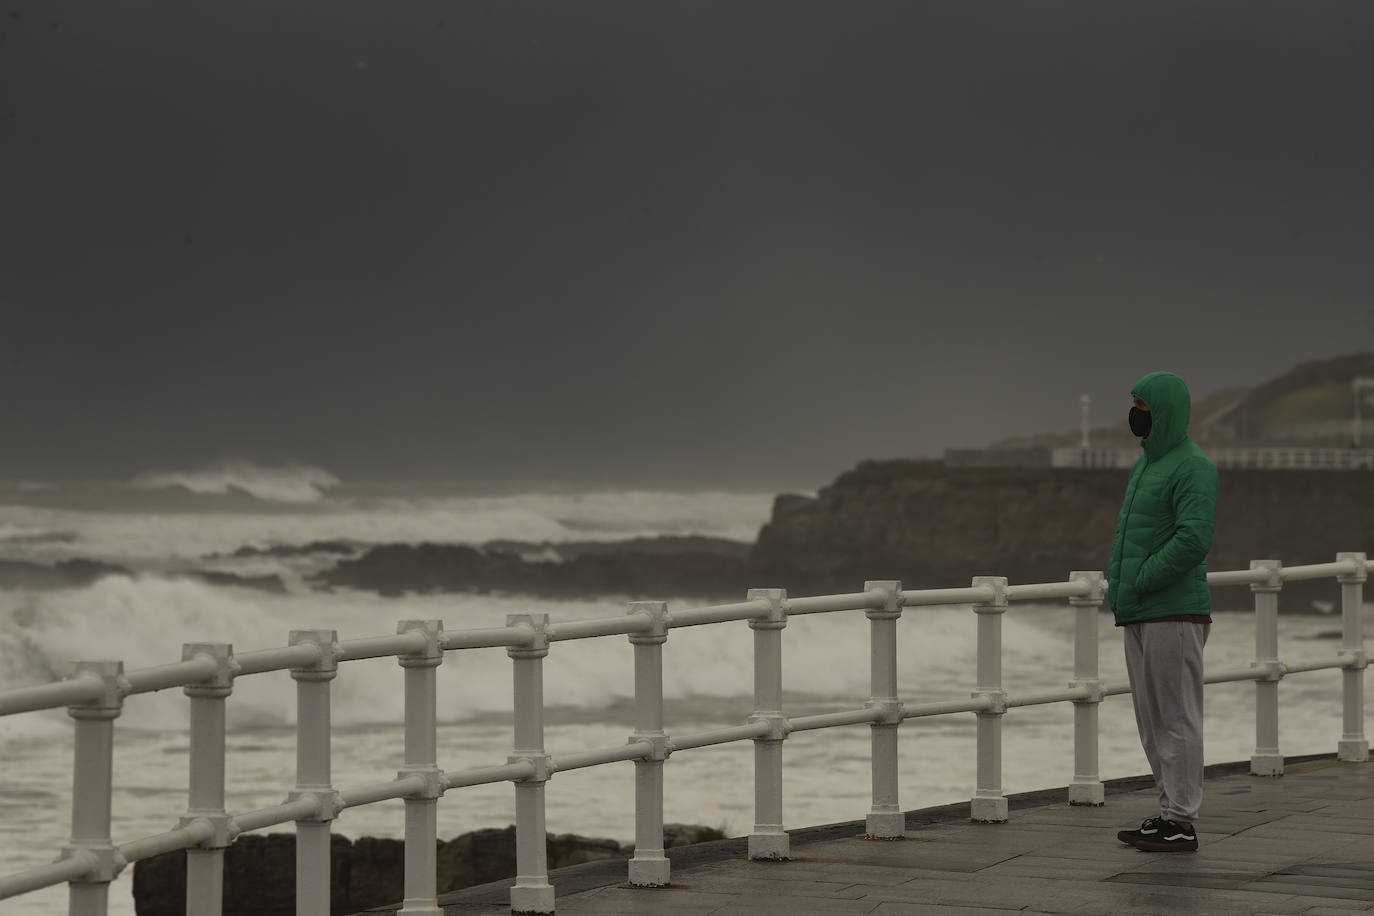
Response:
column 1303, row 843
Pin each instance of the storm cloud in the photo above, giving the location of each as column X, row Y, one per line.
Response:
column 628, row 242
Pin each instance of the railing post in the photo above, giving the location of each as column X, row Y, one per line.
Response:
column 885, row 819
column 1267, row 759
column 532, row 892
column 769, row 840
column 313, row 731
column 92, row 788
column 421, row 759
column 1086, row 788
column 205, row 802
column 989, row 804
column 650, row 866
column 1353, row 744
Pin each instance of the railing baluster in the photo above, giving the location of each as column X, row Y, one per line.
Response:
column 650, row 866
column 532, row 892
column 92, row 788
column 313, row 776
column 421, row 760
column 1086, row 788
column 885, row 821
column 769, row 840
column 989, row 804
column 1353, row 745
column 1267, row 759
column 205, row 801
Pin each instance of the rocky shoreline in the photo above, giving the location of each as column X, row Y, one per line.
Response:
column 918, row 521
column 687, row 567
column 260, row 870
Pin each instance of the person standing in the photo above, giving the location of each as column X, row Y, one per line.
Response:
column 1157, row 590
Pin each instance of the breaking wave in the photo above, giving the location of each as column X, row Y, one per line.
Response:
column 144, row 620
column 157, row 537
column 290, row 483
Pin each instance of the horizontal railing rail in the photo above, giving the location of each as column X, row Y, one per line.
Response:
column 95, row 692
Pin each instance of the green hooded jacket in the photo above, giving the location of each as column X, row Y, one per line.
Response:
column 1158, row 566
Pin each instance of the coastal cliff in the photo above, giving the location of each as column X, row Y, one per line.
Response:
column 933, row 526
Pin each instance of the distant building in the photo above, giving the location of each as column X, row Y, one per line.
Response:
column 1255, row 458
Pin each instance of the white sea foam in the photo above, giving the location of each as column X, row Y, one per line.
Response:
column 144, row 621
column 143, row 537
column 290, row 483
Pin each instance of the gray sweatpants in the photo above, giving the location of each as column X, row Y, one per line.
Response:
column 1164, row 663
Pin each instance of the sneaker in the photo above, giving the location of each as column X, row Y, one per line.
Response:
column 1148, row 828
column 1170, row 837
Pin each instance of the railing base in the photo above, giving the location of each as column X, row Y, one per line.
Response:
column 1356, row 751
column 1088, row 794
column 650, row 871
column 885, row 825
column 532, row 899
column 988, row 810
column 1266, row 765
column 771, row 847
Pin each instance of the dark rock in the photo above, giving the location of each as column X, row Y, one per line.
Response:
column 267, row 583
column 376, row 872
column 259, row 878
column 675, row 835
column 298, row 550
column 785, row 504
column 664, row 544
column 75, row 573
column 83, row 572
column 395, row 569
column 260, row 871
column 41, row 537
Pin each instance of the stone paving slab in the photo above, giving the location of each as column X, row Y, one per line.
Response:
column 1300, row 844
column 896, row 908
column 1275, row 885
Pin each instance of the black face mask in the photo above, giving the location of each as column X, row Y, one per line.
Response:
column 1140, row 422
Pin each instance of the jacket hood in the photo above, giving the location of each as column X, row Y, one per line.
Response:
column 1171, row 406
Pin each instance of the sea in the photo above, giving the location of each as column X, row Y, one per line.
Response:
column 163, row 529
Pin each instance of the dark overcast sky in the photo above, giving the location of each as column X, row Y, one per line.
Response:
column 637, row 242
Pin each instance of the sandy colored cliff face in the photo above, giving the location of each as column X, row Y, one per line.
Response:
column 935, row 527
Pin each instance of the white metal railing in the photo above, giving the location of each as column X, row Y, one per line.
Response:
column 95, row 692
column 1238, row 457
